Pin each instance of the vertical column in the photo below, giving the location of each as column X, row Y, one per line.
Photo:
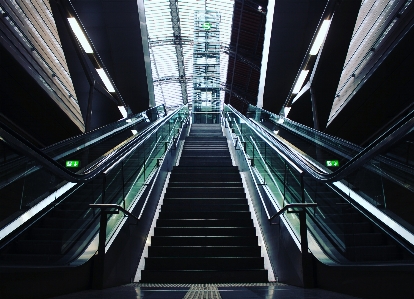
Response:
column 206, row 67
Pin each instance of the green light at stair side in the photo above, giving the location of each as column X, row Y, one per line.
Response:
column 332, row 163
column 73, row 163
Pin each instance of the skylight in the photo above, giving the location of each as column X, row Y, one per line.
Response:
column 164, row 66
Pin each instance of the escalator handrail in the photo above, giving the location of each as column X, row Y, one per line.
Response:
column 119, row 126
column 336, row 140
column 391, row 136
column 50, row 164
column 390, row 175
column 74, row 138
column 396, row 231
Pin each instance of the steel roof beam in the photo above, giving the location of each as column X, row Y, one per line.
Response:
column 175, row 19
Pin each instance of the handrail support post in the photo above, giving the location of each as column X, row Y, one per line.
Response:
column 307, row 260
column 99, row 261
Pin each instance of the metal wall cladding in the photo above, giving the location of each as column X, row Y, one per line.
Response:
column 375, row 23
column 33, row 26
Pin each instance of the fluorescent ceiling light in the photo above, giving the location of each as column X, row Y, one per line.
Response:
column 80, row 36
column 320, row 37
column 134, row 132
column 105, row 80
column 300, row 81
column 286, row 110
column 123, row 111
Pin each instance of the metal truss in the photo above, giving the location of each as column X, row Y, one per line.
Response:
column 254, row 5
column 223, row 86
column 227, row 50
column 170, row 79
column 185, row 40
column 177, row 41
column 224, row 49
column 226, row 88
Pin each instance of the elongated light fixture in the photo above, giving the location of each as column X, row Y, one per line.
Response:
column 79, row 35
column 286, row 110
column 320, row 37
column 300, row 81
column 123, row 111
column 105, row 80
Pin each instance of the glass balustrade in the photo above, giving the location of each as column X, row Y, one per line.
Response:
column 387, row 176
column 336, row 222
column 24, row 182
column 120, row 184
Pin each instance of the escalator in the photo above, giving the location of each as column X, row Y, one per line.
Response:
column 59, row 227
column 351, row 230
column 23, row 181
column 383, row 176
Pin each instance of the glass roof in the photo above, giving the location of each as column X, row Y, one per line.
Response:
column 164, row 66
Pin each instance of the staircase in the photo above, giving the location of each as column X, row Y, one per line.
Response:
column 204, row 233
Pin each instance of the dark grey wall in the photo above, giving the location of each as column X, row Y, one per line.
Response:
column 114, row 28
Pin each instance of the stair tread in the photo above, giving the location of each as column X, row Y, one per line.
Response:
column 199, row 234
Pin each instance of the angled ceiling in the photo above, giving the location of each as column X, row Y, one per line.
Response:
column 115, row 31
column 113, row 26
column 294, row 25
column 247, row 38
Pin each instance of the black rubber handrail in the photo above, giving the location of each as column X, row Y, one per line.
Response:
column 390, row 137
column 73, row 139
column 72, row 144
column 24, row 146
column 400, row 179
column 349, row 145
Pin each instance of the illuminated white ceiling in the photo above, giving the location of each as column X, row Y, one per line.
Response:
column 164, row 65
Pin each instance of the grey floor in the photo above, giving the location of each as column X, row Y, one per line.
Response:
column 206, row 291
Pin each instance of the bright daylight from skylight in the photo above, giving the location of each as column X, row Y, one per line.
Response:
column 164, row 64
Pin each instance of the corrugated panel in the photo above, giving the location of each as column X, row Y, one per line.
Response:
column 375, row 20
column 34, row 25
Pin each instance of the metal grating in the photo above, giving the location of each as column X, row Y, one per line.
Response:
column 218, row 285
column 203, row 291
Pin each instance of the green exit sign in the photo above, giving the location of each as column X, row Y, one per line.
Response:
column 207, row 26
column 72, row 163
column 332, row 163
